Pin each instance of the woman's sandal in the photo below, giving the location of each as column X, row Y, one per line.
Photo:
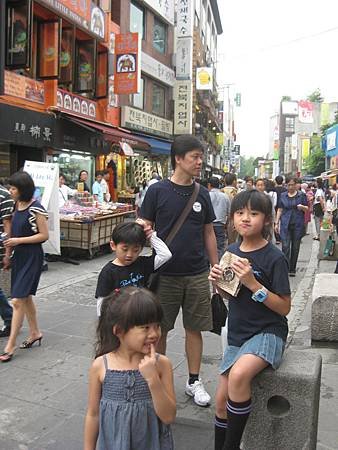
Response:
column 29, row 344
column 6, row 357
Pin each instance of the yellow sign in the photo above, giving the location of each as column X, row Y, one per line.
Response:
column 305, row 151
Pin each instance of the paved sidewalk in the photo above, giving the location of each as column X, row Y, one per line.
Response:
column 44, row 390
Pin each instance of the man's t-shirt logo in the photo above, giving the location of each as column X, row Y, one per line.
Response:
column 197, row 207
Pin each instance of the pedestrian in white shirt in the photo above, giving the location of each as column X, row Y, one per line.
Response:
column 105, row 186
column 64, row 191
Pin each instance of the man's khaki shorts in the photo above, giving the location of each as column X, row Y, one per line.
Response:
column 192, row 293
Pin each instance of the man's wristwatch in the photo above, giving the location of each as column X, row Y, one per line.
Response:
column 261, row 295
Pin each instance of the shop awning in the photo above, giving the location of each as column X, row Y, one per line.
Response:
column 158, row 147
column 114, row 135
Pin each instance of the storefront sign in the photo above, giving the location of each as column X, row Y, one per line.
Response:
column 25, row 127
column 127, row 77
column 157, row 70
column 81, row 12
column 183, row 108
column 204, row 78
column 290, row 108
column 305, row 111
column 75, row 104
column 139, row 120
column 164, row 8
column 185, row 18
column 46, row 180
column 24, row 88
column 184, row 58
column 331, row 140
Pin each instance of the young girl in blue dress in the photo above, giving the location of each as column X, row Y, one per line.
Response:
column 257, row 326
column 131, row 395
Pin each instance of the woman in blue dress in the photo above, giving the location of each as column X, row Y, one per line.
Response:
column 29, row 231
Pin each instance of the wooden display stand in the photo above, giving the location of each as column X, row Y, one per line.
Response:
column 90, row 236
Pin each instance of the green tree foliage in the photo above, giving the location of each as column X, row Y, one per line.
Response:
column 286, row 98
column 315, row 163
column 315, row 96
column 247, row 167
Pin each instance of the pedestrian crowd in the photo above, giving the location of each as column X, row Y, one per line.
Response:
column 189, row 224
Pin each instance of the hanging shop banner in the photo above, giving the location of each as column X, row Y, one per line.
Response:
column 164, row 8
column 75, row 104
column 127, row 78
column 305, row 111
column 24, row 88
column 46, row 180
column 184, row 53
column 135, row 119
column 204, row 78
column 157, row 70
column 185, row 18
column 324, row 114
column 290, row 108
column 305, row 151
column 84, row 13
column 183, row 107
column 18, row 34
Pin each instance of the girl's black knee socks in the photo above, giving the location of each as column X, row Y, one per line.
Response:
column 238, row 414
column 221, row 426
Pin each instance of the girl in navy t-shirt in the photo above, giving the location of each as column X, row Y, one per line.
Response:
column 257, row 326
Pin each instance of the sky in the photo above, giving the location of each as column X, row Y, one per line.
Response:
column 272, row 48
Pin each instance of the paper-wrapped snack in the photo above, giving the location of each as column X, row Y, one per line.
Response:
column 229, row 282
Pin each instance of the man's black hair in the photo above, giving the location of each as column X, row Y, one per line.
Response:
column 129, row 233
column 279, row 180
column 98, row 172
column 214, row 182
column 24, row 184
column 183, row 144
column 229, row 178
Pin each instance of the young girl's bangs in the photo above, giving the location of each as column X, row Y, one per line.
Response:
column 256, row 201
column 143, row 308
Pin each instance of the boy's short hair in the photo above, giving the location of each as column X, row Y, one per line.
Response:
column 129, row 233
column 183, row 144
column 98, row 173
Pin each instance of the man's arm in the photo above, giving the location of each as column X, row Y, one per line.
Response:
column 210, row 243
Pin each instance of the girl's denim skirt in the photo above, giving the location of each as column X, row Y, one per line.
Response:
column 265, row 345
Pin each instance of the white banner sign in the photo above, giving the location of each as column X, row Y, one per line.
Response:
column 183, row 107
column 305, row 111
column 157, row 70
column 164, row 8
column 135, row 119
column 204, row 78
column 46, row 180
column 185, row 18
column 184, row 58
column 331, row 141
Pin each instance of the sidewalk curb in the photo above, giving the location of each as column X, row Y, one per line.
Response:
column 299, row 317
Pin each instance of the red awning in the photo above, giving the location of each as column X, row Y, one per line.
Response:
column 113, row 134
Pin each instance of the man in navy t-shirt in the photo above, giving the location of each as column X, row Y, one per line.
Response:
column 184, row 279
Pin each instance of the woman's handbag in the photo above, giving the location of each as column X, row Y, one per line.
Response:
column 318, row 210
column 154, row 278
column 219, row 313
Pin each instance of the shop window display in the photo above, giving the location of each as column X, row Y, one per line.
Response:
column 72, row 163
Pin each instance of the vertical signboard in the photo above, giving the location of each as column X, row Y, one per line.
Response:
column 184, row 67
column 164, row 8
column 305, row 151
column 183, row 107
column 46, row 180
column 305, row 111
column 127, row 63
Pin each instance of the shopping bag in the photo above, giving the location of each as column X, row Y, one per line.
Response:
column 219, row 313
column 329, row 246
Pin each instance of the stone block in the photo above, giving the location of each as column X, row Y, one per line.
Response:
column 286, row 404
column 324, row 320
